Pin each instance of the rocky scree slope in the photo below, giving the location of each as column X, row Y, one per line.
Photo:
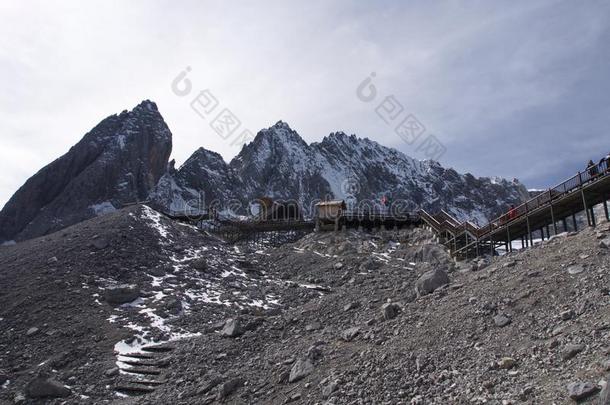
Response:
column 119, row 161
column 531, row 327
column 73, row 301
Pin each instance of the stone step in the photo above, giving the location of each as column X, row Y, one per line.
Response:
column 140, row 355
column 161, row 362
column 144, row 370
column 146, row 381
column 158, row 348
column 133, row 389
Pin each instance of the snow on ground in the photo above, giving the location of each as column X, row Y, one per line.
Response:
column 154, row 220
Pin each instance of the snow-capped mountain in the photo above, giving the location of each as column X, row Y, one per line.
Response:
column 281, row 165
column 124, row 159
column 117, row 162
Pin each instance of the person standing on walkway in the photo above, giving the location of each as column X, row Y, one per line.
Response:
column 592, row 168
column 512, row 213
column 604, row 163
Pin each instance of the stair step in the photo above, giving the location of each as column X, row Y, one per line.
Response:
column 163, row 362
column 130, row 388
column 158, row 348
column 139, row 355
column 145, row 370
column 146, row 382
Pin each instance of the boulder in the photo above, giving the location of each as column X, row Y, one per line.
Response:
column 42, row 387
column 229, row 387
column 430, row 281
column 570, row 351
column 232, row 328
column 501, row 320
column 121, row 294
column 349, row 334
column 32, row 331
column 581, row 390
column 300, row 369
column 390, row 310
column 604, row 396
column 200, row 264
column 506, row 363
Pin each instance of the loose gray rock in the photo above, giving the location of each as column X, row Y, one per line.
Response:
column 99, row 243
column 200, row 264
column 501, row 320
column 576, row 269
column 430, row 281
column 42, row 387
column 19, row 398
column 229, row 387
column 390, row 310
column 329, row 389
column 581, row 390
column 349, row 334
column 32, row 331
column 570, row 351
column 604, row 396
column 232, row 328
column 313, row 326
column 300, row 369
column 507, row 363
column 213, row 382
column 121, row 294
column 111, row 372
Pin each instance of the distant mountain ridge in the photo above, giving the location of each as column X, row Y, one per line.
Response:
column 125, row 159
column 278, row 163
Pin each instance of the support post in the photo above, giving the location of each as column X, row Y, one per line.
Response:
column 592, row 217
column 565, row 225
column 509, row 245
column 606, row 209
column 529, row 232
column 574, row 222
column 584, row 200
column 552, row 214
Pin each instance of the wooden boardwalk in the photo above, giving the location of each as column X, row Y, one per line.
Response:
column 551, row 210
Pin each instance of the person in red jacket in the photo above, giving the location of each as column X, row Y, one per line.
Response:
column 512, row 213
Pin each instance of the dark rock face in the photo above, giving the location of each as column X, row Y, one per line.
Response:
column 118, row 161
column 280, row 164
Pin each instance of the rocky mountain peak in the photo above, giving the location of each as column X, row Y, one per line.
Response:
column 119, row 161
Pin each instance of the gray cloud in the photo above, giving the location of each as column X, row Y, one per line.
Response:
column 512, row 89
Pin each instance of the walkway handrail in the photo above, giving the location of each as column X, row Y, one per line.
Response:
column 443, row 221
column 575, row 182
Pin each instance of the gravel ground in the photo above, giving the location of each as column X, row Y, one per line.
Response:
column 334, row 318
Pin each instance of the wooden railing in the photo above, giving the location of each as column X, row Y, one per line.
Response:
column 444, row 222
column 568, row 186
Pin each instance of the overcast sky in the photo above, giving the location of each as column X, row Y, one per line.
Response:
column 511, row 88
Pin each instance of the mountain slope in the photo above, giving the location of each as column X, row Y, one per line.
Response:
column 118, row 161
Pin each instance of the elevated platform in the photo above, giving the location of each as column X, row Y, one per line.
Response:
column 549, row 210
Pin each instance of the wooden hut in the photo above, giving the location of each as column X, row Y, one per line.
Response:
column 329, row 212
